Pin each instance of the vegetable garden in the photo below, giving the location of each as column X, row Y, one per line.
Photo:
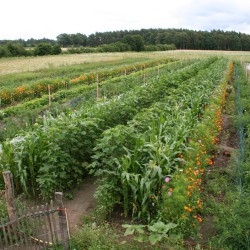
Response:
column 148, row 132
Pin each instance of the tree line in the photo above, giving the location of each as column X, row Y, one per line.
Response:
column 181, row 38
column 132, row 40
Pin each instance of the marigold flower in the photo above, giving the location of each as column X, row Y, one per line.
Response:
column 188, row 209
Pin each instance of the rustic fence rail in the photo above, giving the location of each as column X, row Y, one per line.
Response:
column 35, row 228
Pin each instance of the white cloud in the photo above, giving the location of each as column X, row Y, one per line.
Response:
column 49, row 18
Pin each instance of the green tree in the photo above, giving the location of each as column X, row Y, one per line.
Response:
column 64, row 40
column 43, row 49
column 4, row 52
column 56, row 49
column 15, row 49
column 135, row 42
column 78, row 39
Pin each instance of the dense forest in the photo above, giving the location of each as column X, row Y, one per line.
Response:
column 129, row 40
column 181, row 38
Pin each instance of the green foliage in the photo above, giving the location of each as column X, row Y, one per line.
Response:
column 94, row 238
column 4, row 52
column 156, row 232
column 55, row 154
column 137, row 157
column 56, row 49
column 64, row 142
column 43, row 49
column 160, row 47
column 135, row 42
column 11, row 49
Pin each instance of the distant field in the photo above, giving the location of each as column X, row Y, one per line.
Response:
column 18, row 65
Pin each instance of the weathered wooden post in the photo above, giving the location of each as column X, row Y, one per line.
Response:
column 63, row 224
column 9, row 195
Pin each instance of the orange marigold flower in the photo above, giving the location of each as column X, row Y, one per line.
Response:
column 188, row 209
column 196, row 172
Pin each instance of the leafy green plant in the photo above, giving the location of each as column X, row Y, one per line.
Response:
column 155, row 232
column 139, row 156
column 55, row 154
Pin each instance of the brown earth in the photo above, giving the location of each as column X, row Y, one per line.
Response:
column 82, row 203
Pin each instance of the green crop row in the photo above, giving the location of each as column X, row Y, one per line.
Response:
column 134, row 159
column 10, row 96
column 242, row 104
column 65, row 100
column 85, row 92
column 54, row 156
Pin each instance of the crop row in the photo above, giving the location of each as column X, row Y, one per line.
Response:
column 85, row 93
column 134, row 159
column 54, row 156
column 27, row 113
column 30, row 91
column 243, row 125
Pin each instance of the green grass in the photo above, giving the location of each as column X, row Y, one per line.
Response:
column 17, row 79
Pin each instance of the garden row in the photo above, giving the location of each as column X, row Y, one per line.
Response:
column 135, row 160
column 12, row 95
column 242, row 89
column 54, row 156
column 84, row 93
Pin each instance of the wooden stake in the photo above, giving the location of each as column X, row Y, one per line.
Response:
column 9, row 195
column 125, row 72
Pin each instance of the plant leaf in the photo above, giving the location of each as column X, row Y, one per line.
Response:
column 129, row 231
column 153, row 238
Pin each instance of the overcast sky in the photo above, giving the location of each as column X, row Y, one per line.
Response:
column 48, row 18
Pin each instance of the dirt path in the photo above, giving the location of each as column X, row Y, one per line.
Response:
column 227, row 149
column 82, row 203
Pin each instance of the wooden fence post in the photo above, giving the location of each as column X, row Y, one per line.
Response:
column 63, row 224
column 9, row 195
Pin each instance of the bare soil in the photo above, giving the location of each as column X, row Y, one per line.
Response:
column 82, row 203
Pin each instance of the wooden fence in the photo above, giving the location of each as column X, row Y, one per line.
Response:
column 33, row 228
